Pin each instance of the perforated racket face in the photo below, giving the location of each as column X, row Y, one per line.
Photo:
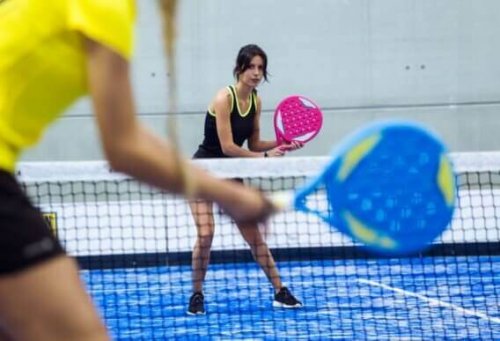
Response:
column 392, row 188
column 297, row 118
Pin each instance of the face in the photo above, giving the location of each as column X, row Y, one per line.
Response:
column 255, row 72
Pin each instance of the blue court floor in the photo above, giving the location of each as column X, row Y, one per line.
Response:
column 452, row 298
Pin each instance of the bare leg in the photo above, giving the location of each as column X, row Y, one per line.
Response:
column 261, row 253
column 48, row 302
column 204, row 219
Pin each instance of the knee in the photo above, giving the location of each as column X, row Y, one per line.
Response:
column 251, row 235
column 205, row 240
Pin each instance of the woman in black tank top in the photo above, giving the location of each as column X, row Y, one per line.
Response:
column 231, row 120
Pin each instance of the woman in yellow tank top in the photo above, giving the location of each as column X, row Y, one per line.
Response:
column 53, row 52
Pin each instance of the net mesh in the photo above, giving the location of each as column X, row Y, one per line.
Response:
column 134, row 245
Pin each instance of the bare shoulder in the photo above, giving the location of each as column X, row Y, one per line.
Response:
column 223, row 96
column 222, row 99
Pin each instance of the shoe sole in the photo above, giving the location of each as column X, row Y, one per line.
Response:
column 195, row 314
column 286, row 306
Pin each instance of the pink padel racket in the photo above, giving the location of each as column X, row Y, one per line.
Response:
column 297, row 118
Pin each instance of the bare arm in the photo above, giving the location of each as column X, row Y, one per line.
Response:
column 134, row 150
column 254, row 142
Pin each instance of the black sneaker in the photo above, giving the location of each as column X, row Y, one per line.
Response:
column 196, row 304
column 285, row 299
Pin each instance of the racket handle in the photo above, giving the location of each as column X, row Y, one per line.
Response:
column 282, row 200
column 286, row 200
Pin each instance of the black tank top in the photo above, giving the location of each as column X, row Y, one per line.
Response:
column 242, row 125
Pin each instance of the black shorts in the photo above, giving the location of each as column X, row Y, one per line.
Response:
column 25, row 237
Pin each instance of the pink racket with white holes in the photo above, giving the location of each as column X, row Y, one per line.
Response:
column 297, row 118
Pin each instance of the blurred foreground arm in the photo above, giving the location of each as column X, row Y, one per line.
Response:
column 132, row 149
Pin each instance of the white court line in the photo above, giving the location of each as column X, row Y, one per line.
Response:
column 433, row 301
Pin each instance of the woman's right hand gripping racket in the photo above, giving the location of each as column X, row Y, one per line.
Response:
column 298, row 119
column 389, row 186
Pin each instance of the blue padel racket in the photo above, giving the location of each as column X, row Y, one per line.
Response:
column 389, row 186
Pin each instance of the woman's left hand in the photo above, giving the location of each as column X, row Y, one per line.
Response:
column 294, row 145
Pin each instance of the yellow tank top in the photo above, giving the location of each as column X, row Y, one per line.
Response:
column 42, row 61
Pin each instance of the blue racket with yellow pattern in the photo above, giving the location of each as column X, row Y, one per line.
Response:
column 389, row 186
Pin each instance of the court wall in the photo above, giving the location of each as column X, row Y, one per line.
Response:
column 436, row 62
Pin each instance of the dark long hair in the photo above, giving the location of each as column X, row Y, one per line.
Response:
column 244, row 58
